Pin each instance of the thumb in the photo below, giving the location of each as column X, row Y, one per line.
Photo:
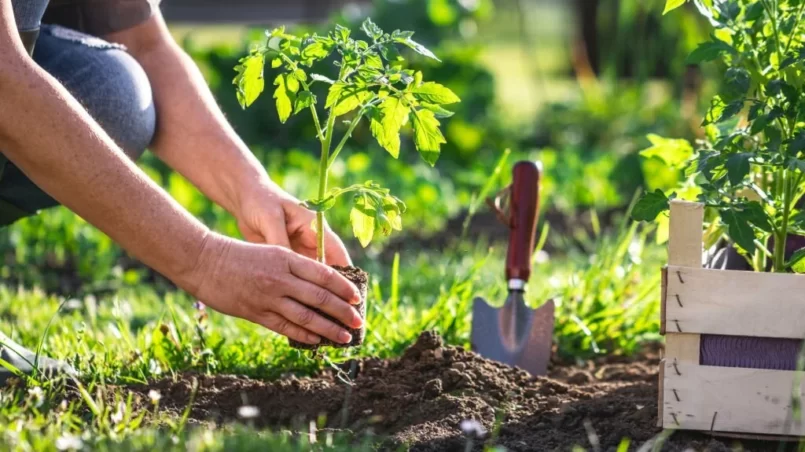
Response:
column 272, row 228
column 336, row 251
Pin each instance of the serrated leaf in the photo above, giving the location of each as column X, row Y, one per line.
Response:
column 434, row 93
column 346, row 97
column 437, row 110
column 671, row 5
column 651, row 205
column 756, row 215
column 736, row 81
column 737, row 168
column 283, row 98
column 739, row 229
column 322, row 205
column 249, row 81
column 754, row 11
column 674, row 152
column 427, row 136
column 797, row 261
column 317, row 50
column 417, row 47
column 708, row 51
column 386, row 124
column 304, row 100
column 371, row 29
column 373, row 61
column 362, row 217
column 390, row 53
column 342, row 32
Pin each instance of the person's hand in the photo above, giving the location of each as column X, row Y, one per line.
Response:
column 276, row 288
column 268, row 214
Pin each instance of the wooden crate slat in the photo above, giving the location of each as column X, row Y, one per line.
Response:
column 731, row 399
column 734, row 303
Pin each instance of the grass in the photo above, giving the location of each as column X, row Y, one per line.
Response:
column 606, row 292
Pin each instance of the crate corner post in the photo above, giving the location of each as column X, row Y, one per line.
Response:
column 685, row 249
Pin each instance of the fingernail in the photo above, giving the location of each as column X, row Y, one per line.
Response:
column 314, row 339
column 356, row 299
column 357, row 321
column 344, row 337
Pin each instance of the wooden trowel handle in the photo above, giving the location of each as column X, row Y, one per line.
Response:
column 524, row 205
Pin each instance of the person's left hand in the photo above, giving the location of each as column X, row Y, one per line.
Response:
column 269, row 215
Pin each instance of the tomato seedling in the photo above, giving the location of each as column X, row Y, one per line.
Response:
column 748, row 168
column 365, row 79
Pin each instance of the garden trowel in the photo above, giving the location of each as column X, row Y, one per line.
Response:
column 515, row 334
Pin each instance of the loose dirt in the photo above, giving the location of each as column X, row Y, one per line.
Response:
column 421, row 399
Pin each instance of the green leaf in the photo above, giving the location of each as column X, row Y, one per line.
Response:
column 737, row 168
column 797, row 261
column 283, row 97
column 342, row 33
column 304, row 100
column 346, row 97
column 362, row 217
column 373, row 61
column 371, row 29
column 317, row 50
column 416, row 47
column 427, row 136
column 390, row 53
column 249, row 80
column 434, row 93
column 754, row 11
column 651, row 205
column 386, row 125
column 739, row 229
column 322, row 205
column 671, row 5
column 437, row 110
column 674, row 152
column 756, row 215
column 736, row 83
column 708, row 51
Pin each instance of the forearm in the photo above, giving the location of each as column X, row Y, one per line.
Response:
column 193, row 136
column 53, row 140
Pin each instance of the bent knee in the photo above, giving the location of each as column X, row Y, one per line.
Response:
column 108, row 82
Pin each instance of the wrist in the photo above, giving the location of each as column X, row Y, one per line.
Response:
column 201, row 265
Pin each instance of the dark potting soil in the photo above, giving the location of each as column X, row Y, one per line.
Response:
column 420, row 400
column 361, row 280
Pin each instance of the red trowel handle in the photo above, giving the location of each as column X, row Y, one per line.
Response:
column 524, row 205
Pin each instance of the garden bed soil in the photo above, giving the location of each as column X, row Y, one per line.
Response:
column 420, row 400
column 361, row 280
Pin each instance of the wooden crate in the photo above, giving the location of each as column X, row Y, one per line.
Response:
column 700, row 304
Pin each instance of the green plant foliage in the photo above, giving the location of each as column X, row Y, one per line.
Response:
column 749, row 167
column 371, row 81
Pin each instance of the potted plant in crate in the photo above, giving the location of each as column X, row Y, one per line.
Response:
column 733, row 338
column 367, row 82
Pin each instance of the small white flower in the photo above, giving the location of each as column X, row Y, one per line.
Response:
column 248, row 412
column 154, row 396
column 69, row 442
column 472, row 427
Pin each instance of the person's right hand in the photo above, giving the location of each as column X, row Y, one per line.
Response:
column 276, row 288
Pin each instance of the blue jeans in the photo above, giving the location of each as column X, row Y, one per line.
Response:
column 111, row 86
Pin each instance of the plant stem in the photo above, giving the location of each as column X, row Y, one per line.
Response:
column 782, row 235
column 346, row 136
column 323, row 173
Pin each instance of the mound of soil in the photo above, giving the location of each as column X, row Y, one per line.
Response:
column 421, row 399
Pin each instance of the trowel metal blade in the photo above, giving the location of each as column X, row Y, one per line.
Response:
column 526, row 341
